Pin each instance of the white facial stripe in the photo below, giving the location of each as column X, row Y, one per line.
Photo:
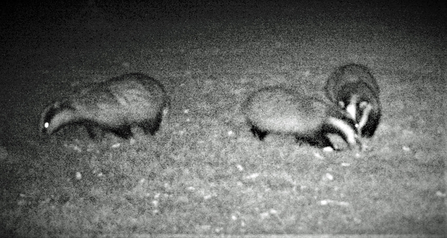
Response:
column 59, row 120
column 365, row 116
column 352, row 110
column 346, row 129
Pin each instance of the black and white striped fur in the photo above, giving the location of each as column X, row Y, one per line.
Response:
column 282, row 111
column 115, row 105
column 355, row 89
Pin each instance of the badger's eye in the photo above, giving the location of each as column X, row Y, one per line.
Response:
column 46, row 125
column 341, row 104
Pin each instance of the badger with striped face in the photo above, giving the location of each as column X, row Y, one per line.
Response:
column 356, row 91
column 282, row 111
column 115, row 105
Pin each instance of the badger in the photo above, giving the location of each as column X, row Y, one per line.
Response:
column 115, row 105
column 356, row 91
column 310, row 119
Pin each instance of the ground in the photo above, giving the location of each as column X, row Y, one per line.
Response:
column 203, row 172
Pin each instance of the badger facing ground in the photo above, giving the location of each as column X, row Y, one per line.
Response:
column 354, row 89
column 283, row 111
column 115, row 105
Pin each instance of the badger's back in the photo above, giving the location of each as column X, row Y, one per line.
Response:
column 126, row 99
column 351, row 74
column 275, row 109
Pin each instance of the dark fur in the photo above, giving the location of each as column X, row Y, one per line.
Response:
column 354, row 83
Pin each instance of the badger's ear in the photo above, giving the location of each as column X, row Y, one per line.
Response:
column 363, row 104
column 56, row 104
column 341, row 104
column 63, row 104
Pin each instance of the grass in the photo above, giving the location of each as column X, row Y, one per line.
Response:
column 204, row 173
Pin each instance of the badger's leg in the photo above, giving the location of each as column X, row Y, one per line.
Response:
column 151, row 126
column 325, row 142
column 123, row 131
column 91, row 130
column 260, row 134
column 319, row 140
column 299, row 140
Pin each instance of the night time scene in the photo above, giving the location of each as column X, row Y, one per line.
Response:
column 223, row 118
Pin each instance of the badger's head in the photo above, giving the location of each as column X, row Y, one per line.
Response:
column 54, row 116
column 355, row 98
column 360, row 102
